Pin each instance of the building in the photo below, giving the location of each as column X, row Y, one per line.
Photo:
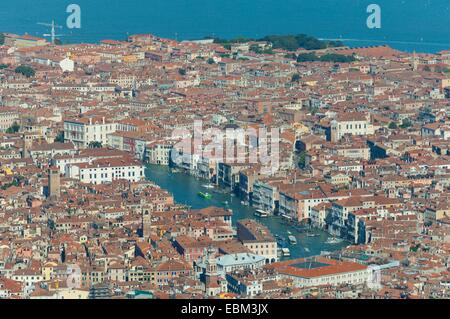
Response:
column 159, row 153
column 258, row 239
column 320, row 271
column 106, row 170
column 83, row 131
column 7, row 118
column 54, row 188
column 350, row 124
column 44, row 151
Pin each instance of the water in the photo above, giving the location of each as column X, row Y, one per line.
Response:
column 185, row 189
column 420, row 25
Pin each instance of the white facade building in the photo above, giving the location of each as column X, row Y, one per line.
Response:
column 105, row 171
column 83, row 131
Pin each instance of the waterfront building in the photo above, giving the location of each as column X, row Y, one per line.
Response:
column 258, row 239
column 107, row 170
column 159, row 152
column 319, row 271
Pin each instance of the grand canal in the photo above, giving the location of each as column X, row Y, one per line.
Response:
column 185, row 188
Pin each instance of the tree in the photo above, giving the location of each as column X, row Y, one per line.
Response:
column 2, row 39
column 291, row 56
column 211, row 61
column 3, row 66
column 95, row 144
column 337, row 58
column 307, row 57
column 182, row 72
column 25, row 70
column 392, row 126
column 13, row 129
column 60, row 137
column 295, row 77
column 284, row 42
column 330, row 57
column 406, row 123
column 302, row 159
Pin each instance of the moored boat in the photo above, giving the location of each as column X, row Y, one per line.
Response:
column 260, row 213
column 286, row 252
column 204, row 195
column 292, row 239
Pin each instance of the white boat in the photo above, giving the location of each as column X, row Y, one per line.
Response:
column 307, row 250
column 208, row 186
column 292, row 239
column 312, row 235
column 286, row 252
column 260, row 213
column 333, row 240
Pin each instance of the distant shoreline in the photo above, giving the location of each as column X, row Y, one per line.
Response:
column 400, row 45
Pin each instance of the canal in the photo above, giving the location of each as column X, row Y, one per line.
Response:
column 185, row 190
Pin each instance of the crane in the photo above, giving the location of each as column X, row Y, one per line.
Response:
column 52, row 34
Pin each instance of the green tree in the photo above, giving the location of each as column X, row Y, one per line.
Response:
column 211, row 61
column 60, row 137
column 307, row 57
column 182, row 72
column 95, row 144
column 337, row 58
column 3, row 66
column 295, row 77
column 302, row 159
column 2, row 39
column 25, row 70
column 406, row 123
column 13, row 129
column 291, row 56
column 284, row 42
column 392, row 126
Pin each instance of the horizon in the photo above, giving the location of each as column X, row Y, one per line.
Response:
column 406, row 25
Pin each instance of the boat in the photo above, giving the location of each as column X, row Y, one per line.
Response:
column 280, row 241
column 307, row 250
column 225, row 203
column 288, row 232
column 260, row 213
column 204, row 195
column 333, row 240
column 279, row 252
column 312, row 235
column 208, row 186
column 292, row 239
column 286, row 252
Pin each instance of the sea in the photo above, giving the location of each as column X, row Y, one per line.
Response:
column 408, row 25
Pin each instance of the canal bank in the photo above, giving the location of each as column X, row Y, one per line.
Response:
column 185, row 189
